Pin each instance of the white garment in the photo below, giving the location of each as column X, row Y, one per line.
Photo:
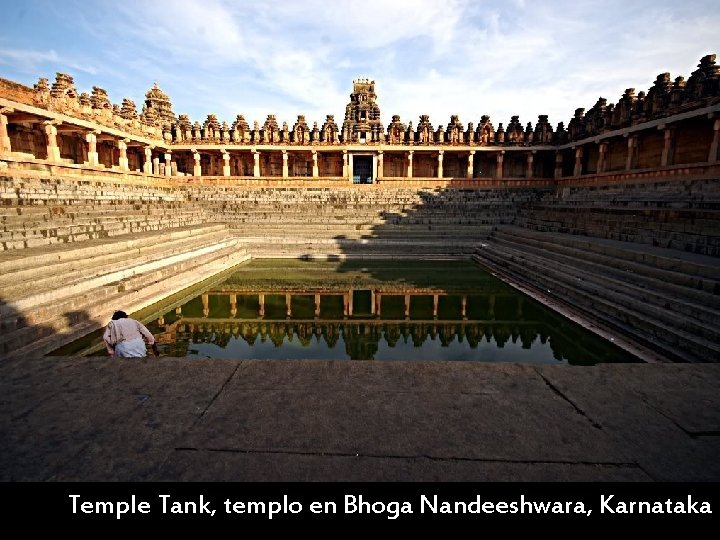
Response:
column 131, row 348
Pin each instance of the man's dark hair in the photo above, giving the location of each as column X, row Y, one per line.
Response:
column 119, row 315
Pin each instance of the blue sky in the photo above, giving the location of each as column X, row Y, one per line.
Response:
column 465, row 57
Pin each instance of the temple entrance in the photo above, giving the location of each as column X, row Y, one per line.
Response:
column 362, row 170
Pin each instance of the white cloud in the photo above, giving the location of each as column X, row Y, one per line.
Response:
column 465, row 57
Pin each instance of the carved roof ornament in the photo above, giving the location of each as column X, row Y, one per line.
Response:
column 158, row 101
column 184, row 122
column 99, row 98
column 705, row 80
column 240, row 123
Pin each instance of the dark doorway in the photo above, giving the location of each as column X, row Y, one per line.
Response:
column 362, row 170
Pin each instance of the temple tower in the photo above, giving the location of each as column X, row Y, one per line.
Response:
column 362, row 115
column 159, row 103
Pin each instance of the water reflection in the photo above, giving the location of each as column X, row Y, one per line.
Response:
column 376, row 324
column 362, row 310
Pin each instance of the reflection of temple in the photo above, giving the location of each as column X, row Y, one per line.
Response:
column 410, row 303
column 365, row 318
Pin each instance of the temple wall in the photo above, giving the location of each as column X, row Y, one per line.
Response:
column 395, row 165
column 331, row 165
column 693, row 138
column 650, row 149
column 424, row 165
column 616, row 154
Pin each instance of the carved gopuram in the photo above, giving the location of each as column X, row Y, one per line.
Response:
column 611, row 217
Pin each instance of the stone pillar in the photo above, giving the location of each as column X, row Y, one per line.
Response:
column 464, row 307
column 148, row 165
column 668, row 153
column 529, row 165
column 53, row 152
column 4, row 137
column 378, row 304
column 261, row 301
column 315, row 172
column 345, row 304
column 168, row 163
column 206, row 304
column 440, row 163
column 256, row 164
column 156, row 165
column 345, row 164
column 233, row 304
column 380, row 165
column 471, row 164
column 317, row 305
column 288, row 305
column 407, row 306
column 713, row 156
column 350, row 167
column 499, row 164
column 372, row 302
column 226, row 163
column 410, row 161
column 123, row 161
column 602, row 157
column 285, row 164
column 436, row 298
column 93, row 159
column 577, row 171
column 350, row 302
column 558, row 164
column 631, row 161
column 197, row 168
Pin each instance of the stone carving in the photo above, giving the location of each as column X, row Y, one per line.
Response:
column 157, row 101
column 543, row 133
column 128, row 110
column 514, row 132
column 659, row 95
column 425, row 132
column 241, row 127
column 329, row 131
column 703, row 82
column 485, row 131
column 500, row 134
column 396, row 131
column 455, row 130
column 211, row 128
column 315, row 134
column 410, row 134
column 301, row 132
column 270, row 130
column 362, row 114
column 576, row 127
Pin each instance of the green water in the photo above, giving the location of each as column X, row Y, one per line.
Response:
column 364, row 310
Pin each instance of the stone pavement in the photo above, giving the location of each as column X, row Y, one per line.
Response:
column 166, row 419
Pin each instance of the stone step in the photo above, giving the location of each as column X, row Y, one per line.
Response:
column 688, row 269
column 691, row 302
column 16, row 284
column 44, row 255
column 94, row 313
column 37, row 307
column 673, row 343
column 692, row 318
